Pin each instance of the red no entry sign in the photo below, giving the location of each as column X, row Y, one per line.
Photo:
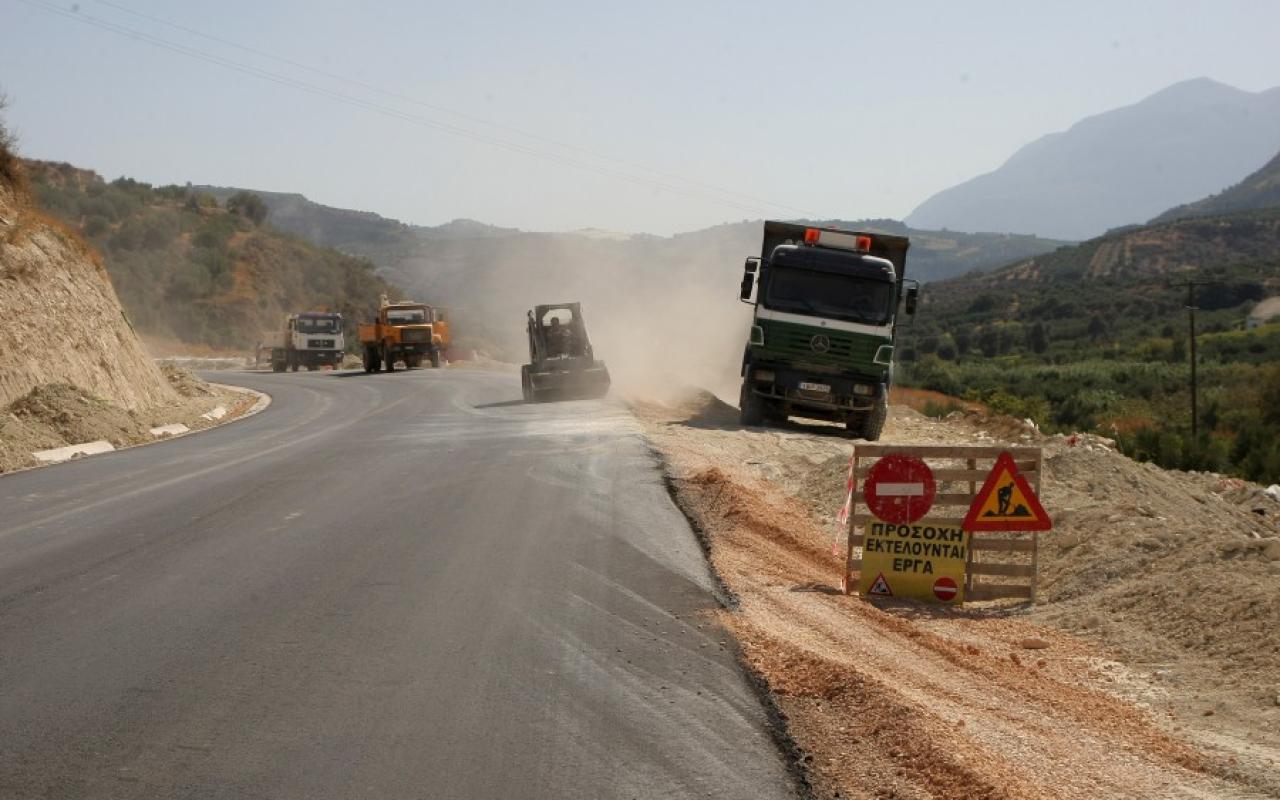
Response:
column 899, row 489
column 945, row 589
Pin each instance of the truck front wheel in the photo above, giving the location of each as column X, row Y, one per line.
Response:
column 871, row 424
column 435, row 357
column 751, row 409
column 390, row 361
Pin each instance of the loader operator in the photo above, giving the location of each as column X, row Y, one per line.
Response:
column 559, row 339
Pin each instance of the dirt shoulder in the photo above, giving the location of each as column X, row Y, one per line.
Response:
column 58, row 414
column 1101, row 690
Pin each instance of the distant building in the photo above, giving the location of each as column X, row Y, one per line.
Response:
column 1263, row 312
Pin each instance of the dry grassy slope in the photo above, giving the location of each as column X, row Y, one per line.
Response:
column 60, row 321
column 1159, row 608
column 193, row 272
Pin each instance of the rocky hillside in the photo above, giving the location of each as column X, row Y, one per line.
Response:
column 1119, row 167
column 1121, row 289
column 190, row 268
column 1258, row 191
column 1163, row 252
column 62, row 321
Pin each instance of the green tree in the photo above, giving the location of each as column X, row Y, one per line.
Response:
column 989, row 342
column 946, row 347
column 1038, row 338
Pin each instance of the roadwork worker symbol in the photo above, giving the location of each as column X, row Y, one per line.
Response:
column 880, row 587
column 1003, row 495
column 1006, row 502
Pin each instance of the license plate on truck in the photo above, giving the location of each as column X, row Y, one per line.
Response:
column 821, row 388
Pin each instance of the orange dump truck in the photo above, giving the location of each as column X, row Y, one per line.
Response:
column 403, row 331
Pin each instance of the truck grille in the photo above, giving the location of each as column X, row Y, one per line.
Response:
column 844, row 348
column 320, row 344
column 412, row 335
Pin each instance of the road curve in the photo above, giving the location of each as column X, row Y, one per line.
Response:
column 383, row 586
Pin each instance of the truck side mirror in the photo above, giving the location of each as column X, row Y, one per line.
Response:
column 913, row 297
column 748, row 278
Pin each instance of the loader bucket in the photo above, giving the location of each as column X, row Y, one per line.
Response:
column 568, row 384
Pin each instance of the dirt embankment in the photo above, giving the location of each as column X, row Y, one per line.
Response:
column 62, row 322
column 71, row 367
column 1150, row 666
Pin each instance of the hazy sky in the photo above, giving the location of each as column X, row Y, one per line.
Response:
column 749, row 109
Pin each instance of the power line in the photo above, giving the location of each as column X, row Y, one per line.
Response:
column 367, row 105
column 436, row 107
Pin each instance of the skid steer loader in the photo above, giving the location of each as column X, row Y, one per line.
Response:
column 562, row 365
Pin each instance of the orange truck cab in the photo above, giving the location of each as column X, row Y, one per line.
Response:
column 404, row 331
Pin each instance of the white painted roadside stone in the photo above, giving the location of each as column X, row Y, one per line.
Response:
column 217, row 412
column 72, row 450
column 172, row 429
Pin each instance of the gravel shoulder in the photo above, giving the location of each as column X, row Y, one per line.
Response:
column 1148, row 668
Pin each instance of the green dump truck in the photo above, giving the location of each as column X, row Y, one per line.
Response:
column 826, row 315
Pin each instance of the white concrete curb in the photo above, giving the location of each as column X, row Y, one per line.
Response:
column 59, row 454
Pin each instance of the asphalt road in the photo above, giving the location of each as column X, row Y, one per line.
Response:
column 384, row 586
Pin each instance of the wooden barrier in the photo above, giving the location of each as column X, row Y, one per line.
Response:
column 959, row 471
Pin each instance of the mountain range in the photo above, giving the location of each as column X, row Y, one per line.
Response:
column 1119, row 167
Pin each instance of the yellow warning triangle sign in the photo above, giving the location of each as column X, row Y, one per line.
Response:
column 1006, row 502
column 880, row 587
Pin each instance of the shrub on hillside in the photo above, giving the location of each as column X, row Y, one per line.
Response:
column 248, row 205
column 10, row 165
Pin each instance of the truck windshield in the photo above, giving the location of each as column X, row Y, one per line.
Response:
column 825, row 294
column 317, row 325
column 406, row 316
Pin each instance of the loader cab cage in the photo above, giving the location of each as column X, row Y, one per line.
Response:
column 542, row 332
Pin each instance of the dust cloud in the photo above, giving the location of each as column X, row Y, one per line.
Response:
column 663, row 313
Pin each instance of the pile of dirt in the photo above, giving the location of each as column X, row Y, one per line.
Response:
column 59, row 414
column 184, row 383
column 75, row 416
column 62, row 321
column 1127, row 617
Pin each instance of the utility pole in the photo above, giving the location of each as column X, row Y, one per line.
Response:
column 1191, row 334
column 1191, row 330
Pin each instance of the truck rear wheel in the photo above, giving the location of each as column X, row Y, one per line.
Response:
column 751, row 410
column 390, row 361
